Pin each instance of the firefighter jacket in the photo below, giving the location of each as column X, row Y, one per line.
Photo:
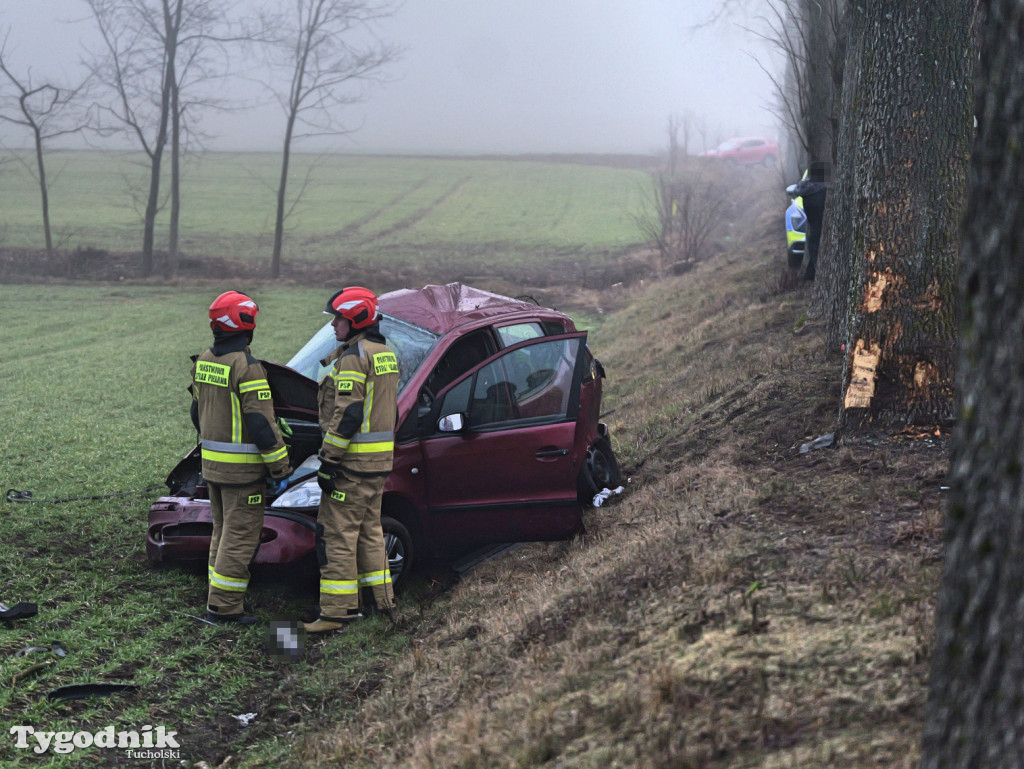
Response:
column 233, row 411
column 358, row 405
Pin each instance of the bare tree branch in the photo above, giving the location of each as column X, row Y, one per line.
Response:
column 159, row 63
column 47, row 111
column 325, row 52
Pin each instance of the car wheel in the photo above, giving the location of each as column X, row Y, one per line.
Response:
column 600, row 471
column 398, row 545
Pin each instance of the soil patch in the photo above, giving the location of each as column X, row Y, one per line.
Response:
column 591, row 285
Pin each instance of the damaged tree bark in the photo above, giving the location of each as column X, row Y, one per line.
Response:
column 909, row 162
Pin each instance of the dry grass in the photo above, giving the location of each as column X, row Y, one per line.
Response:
column 742, row 605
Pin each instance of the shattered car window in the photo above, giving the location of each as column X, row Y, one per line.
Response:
column 410, row 343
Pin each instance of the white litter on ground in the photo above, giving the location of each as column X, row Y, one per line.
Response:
column 603, row 494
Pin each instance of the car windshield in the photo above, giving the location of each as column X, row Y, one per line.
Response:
column 410, row 343
column 728, row 145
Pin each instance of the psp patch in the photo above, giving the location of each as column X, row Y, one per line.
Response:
column 338, row 496
column 255, row 499
column 345, row 385
column 385, row 363
column 264, row 395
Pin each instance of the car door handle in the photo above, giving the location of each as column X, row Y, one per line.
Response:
column 552, row 453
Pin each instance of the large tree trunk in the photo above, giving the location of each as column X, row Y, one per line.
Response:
column 831, row 295
column 821, row 45
column 910, row 159
column 975, row 715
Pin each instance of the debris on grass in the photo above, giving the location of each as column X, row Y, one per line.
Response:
column 83, row 691
column 20, row 610
column 821, row 442
column 602, row 496
column 54, row 647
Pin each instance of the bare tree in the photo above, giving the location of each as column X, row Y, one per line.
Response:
column 202, row 32
column 681, row 213
column 974, row 717
column 326, row 49
column 48, row 111
column 811, row 36
column 149, row 48
column 134, row 68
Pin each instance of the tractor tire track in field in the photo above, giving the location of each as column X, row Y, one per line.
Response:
column 352, row 230
column 417, row 215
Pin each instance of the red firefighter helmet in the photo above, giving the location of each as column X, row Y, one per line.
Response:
column 233, row 311
column 357, row 304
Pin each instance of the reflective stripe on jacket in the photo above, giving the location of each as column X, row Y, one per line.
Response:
column 358, row 405
column 236, row 418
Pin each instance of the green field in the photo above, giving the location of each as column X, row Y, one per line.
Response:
column 95, row 387
column 96, row 403
column 741, row 604
column 354, row 207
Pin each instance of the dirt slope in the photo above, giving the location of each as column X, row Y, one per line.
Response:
column 742, row 604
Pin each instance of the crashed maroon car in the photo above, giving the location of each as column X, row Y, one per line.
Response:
column 498, row 437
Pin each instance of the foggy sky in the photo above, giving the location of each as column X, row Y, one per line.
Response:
column 502, row 76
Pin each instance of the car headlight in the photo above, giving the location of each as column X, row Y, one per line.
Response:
column 305, row 494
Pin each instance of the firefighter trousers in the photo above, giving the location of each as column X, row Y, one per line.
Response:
column 237, row 520
column 356, row 559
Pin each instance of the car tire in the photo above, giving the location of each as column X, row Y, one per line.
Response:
column 399, row 547
column 600, row 471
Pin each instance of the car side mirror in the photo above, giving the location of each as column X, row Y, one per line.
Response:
column 451, row 423
column 791, row 189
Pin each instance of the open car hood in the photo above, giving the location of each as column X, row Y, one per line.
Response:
column 295, row 399
column 295, row 395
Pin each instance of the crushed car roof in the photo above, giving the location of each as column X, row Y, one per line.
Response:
column 442, row 308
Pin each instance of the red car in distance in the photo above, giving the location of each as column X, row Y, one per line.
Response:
column 498, row 438
column 746, row 151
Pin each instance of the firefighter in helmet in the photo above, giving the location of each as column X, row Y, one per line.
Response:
column 232, row 409
column 357, row 417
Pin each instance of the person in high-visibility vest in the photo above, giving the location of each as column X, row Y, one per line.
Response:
column 813, row 190
column 357, row 417
column 233, row 411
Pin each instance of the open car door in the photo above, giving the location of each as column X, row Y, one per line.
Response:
column 499, row 446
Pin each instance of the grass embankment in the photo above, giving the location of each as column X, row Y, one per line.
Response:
column 743, row 605
column 392, row 211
